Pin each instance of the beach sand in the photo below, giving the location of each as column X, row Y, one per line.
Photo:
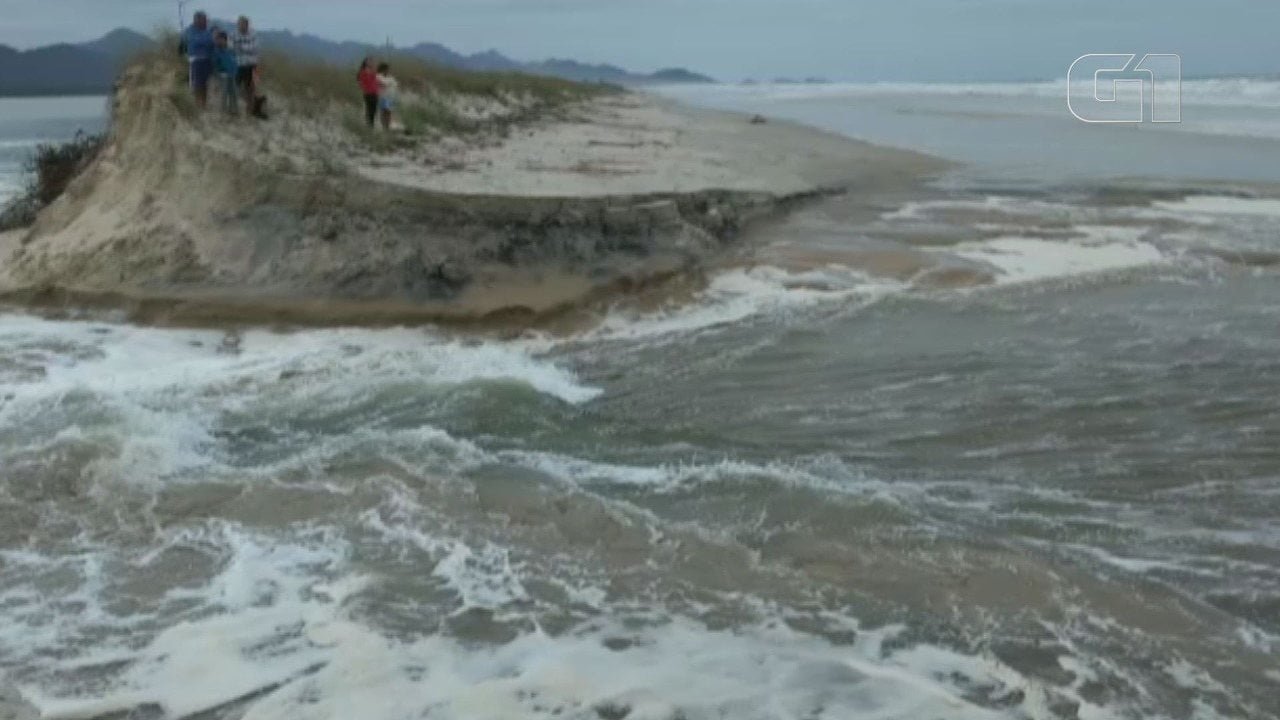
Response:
column 635, row 144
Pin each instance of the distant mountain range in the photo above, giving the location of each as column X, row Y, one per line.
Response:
column 66, row 69
column 88, row 68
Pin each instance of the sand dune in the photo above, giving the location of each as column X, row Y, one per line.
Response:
column 297, row 219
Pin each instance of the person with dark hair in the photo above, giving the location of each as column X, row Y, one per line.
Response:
column 368, row 80
column 388, row 93
column 245, row 43
column 197, row 45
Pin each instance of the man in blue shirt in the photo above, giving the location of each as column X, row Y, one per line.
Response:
column 197, row 43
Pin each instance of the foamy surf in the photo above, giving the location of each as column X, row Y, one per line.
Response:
column 1034, row 240
column 1028, row 241
column 270, row 637
column 126, row 404
column 108, row 358
column 1027, row 260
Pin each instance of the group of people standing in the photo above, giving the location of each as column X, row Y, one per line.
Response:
column 232, row 58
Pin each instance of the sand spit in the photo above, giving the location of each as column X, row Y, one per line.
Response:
column 296, row 220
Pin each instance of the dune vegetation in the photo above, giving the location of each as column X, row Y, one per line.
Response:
column 435, row 102
column 49, row 170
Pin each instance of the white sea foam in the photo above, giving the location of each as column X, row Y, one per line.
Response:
column 1022, row 260
column 741, row 294
column 497, row 585
column 273, row 624
column 339, row 668
column 264, row 590
column 1012, row 208
column 1096, row 248
column 149, row 402
column 677, row 476
column 1200, row 205
column 1085, row 240
column 290, row 641
column 125, row 359
column 1130, row 564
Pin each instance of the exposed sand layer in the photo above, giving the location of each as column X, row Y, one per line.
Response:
column 297, row 220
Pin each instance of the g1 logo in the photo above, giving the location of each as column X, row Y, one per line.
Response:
column 1112, row 88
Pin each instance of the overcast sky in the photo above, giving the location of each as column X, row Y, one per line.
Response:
column 734, row 39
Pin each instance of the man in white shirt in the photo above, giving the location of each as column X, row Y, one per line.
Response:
column 245, row 44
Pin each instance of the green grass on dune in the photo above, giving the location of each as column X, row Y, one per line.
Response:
column 306, row 78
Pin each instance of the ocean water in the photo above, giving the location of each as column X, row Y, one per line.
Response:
column 1024, row 133
column 25, row 123
column 835, row 483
